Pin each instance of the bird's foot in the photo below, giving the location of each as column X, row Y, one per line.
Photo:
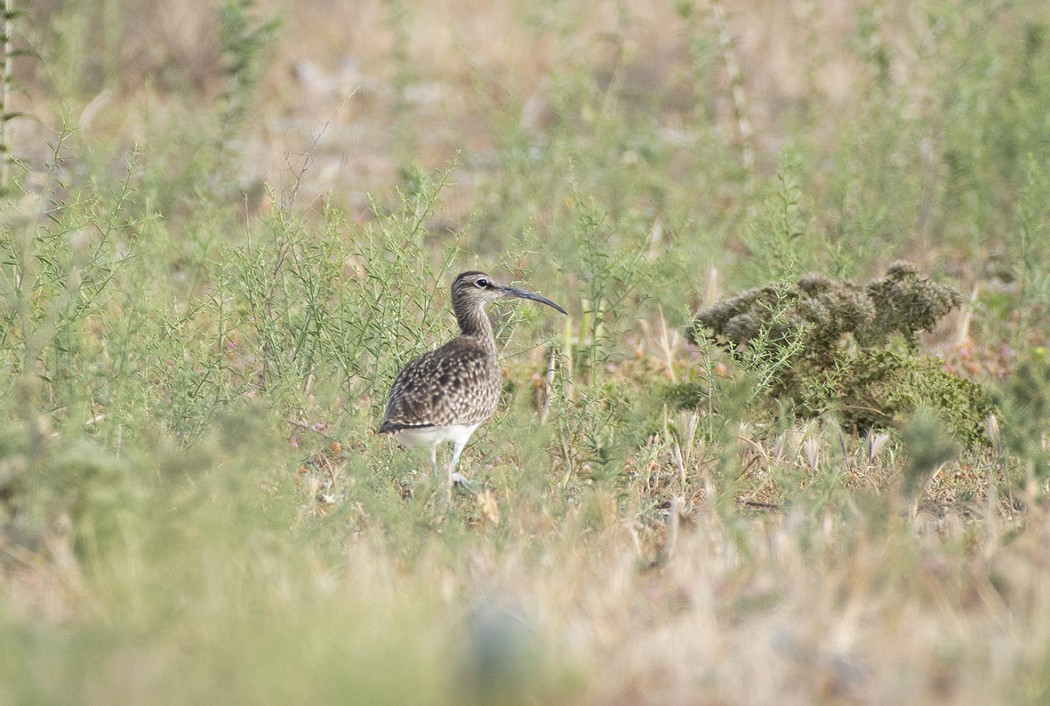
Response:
column 461, row 483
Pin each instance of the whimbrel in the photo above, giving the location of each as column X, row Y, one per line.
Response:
column 445, row 394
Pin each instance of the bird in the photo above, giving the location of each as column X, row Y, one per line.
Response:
column 445, row 394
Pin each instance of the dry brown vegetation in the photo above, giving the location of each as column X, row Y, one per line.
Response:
column 222, row 238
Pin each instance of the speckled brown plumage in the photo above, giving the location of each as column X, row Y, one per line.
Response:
column 459, row 383
column 443, row 395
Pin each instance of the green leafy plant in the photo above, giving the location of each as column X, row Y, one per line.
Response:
column 243, row 38
column 609, row 276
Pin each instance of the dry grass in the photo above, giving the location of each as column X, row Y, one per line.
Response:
column 189, row 512
column 332, row 94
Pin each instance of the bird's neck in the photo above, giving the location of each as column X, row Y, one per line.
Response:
column 474, row 322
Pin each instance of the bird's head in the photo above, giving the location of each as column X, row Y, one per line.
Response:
column 472, row 290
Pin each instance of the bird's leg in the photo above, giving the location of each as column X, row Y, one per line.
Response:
column 434, row 459
column 434, row 471
column 453, row 477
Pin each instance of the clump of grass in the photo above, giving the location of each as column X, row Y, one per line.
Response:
column 928, row 445
column 832, row 345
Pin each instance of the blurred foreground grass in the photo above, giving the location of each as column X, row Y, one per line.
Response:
column 218, row 249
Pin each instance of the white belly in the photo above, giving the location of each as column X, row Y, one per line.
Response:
column 432, row 436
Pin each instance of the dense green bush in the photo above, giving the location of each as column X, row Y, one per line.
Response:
column 835, row 346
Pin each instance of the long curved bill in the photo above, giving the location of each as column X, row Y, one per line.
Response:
column 523, row 294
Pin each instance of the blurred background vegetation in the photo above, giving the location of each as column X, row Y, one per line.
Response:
column 224, row 226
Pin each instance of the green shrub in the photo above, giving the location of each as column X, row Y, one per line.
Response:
column 834, row 346
column 881, row 388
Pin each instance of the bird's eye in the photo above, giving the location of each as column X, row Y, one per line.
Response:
column 483, row 283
